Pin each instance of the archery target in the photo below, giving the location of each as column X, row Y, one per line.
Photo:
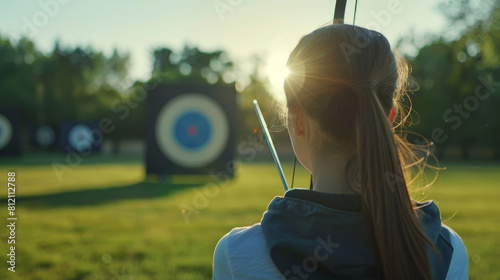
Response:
column 10, row 143
column 80, row 136
column 192, row 130
column 45, row 136
column 5, row 131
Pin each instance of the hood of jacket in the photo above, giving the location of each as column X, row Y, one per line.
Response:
column 314, row 235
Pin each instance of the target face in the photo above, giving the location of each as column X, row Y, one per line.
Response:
column 45, row 136
column 80, row 138
column 5, row 131
column 192, row 130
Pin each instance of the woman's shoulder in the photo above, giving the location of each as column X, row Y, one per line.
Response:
column 459, row 264
column 242, row 240
column 253, row 231
column 452, row 262
column 242, row 253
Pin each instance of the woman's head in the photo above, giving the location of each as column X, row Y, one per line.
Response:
column 330, row 70
column 343, row 84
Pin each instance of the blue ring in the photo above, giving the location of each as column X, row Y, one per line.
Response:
column 192, row 130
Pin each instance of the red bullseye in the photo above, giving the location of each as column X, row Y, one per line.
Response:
column 192, row 130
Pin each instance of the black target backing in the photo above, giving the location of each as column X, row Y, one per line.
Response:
column 191, row 130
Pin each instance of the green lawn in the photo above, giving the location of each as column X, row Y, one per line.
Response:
column 104, row 221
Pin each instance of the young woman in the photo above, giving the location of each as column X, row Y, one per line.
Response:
column 358, row 221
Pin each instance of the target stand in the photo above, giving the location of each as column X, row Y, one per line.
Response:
column 190, row 130
column 9, row 132
column 80, row 137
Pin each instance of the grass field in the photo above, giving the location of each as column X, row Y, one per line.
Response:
column 104, row 221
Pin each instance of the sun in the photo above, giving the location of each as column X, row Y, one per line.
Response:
column 276, row 72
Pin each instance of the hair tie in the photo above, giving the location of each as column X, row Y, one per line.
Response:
column 359, row 86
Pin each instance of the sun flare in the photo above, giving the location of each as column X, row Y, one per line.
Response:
column 276, row 71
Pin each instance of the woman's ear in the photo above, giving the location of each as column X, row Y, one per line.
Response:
column 297, row 121
column 392, row 115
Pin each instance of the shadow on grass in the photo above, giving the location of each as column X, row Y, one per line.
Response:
column 143, row 190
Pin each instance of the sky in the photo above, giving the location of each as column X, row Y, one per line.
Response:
column 242, row 27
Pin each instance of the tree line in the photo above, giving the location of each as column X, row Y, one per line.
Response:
column 455, row 83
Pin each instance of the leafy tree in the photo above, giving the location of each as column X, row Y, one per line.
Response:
column 452, row 76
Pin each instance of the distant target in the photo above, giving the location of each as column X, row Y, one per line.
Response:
column 192, row 130
column 80, row 138
column 9, row 132
column 5, row 131
column 45, row 136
